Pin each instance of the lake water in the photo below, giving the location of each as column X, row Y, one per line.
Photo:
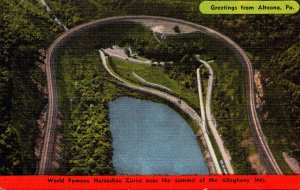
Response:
column 152, row 138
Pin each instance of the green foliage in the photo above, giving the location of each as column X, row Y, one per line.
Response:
column 157, row 75
column 285, row 85
column 273, row 41
column 84, row 89
column 25, row 29
column 18, row 129
column 5, row 93
column 66, row 12
column 17, row 40
column 229, row 108
column 21, row 101
column 89, row 125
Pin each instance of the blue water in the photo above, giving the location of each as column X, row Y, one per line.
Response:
column 151, row 138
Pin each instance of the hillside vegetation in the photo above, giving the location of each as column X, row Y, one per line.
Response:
column 26, row 29
column 272, row 42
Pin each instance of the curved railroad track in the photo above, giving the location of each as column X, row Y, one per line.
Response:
column 257, row 133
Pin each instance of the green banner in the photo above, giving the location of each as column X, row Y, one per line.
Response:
column 249, row 7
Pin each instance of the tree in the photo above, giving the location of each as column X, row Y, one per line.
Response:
column 176, row 29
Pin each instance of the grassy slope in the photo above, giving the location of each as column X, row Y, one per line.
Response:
column 154, row 74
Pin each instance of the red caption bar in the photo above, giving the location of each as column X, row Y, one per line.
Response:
column 151, row 182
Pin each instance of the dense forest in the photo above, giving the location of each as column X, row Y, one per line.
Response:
column 87, row 147
column 21, row 101
column 272, row 42
column 273, row 45
column 22, row 41
column 84, row 90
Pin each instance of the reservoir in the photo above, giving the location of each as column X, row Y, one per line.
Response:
column 152, row 138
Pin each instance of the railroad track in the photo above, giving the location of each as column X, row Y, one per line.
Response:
column 257, row 133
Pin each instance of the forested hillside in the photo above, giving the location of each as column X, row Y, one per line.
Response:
column 26, row 29
column 273, row 45
column 272, row 42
